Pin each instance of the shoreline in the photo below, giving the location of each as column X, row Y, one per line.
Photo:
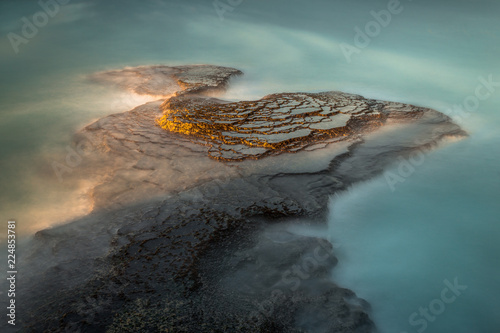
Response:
column 121, row 259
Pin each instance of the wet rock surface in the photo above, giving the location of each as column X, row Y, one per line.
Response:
column 276, row 124
column 180, row 240
column 168, row 80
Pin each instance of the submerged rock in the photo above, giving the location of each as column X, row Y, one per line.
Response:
column 187, row 231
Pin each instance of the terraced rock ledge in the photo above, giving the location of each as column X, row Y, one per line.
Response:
column 195, row 204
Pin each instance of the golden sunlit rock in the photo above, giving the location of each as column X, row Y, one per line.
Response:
column 275, row 124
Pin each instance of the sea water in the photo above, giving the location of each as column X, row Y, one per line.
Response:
column 400, row 244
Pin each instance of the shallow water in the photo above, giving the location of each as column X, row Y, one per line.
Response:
column 397, row 247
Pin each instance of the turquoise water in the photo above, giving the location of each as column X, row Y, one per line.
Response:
column 397, row 247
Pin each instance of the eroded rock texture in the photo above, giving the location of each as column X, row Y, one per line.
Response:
column 168, row 80
column 276, row 124
column 189, row 231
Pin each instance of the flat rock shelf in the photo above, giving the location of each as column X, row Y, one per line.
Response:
column 195, row 202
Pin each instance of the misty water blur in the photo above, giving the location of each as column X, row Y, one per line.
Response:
column 431, row 54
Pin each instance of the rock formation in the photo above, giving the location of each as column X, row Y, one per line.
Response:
column 190, row 224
